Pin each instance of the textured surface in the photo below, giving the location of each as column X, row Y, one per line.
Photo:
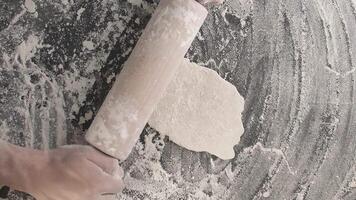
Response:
column 292, row 60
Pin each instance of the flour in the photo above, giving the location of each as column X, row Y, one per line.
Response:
column 143, row 4
column 146, row 175
column 110, row 78
column 112, row 126
column 30, row 6
column 352, row 184
column 16, row 18
column 89, row 45
column 135, row 2
column 4, row 129
column 6, row 60
column 27, row 48
column 79, row 13
column 87, row 117
column 65, row 2
column 266, row 194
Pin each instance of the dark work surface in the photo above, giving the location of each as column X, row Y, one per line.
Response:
column 292, row 60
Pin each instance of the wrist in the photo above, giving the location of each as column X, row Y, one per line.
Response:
column 19, row 166
column 34, row 162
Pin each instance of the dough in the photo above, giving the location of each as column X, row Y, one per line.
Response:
column 145, row 76
column 200, row 111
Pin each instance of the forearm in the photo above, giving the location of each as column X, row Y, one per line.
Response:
column 18, row 165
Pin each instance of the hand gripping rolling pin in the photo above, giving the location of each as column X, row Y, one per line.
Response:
column 145, row 76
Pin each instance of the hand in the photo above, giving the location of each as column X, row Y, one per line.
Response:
column 75, row 173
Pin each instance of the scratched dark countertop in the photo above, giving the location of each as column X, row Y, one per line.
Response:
column 292, row 60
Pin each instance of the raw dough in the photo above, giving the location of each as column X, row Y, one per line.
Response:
column 145, row 76
column 200, row 111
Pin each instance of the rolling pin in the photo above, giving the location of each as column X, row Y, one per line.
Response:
column 145, row 76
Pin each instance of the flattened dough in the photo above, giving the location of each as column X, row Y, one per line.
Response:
column 200, row 111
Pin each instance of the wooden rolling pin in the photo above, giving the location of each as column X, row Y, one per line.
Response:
column 145, row 76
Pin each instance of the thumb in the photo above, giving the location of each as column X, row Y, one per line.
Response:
column 118, row 172
column 107, row 197
column 111, row 185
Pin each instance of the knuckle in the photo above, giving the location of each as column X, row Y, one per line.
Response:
column 87, row 149
column 114, row 162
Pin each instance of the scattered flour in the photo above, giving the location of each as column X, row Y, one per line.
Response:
column 239, row 8
column 143, row 4
column 79, row 13
column 353, row 183
column 135, row 2
column 3, row 130
column 65, row 2
column 27, row 48
column 266, row 194
column 146, row 175
column 87, row 116
column 30, row 6
column 110, row 78
column 89, row 45
column 16, row 18
column 77, row 86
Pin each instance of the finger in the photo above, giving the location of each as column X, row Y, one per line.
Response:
column 111, row 185
column 105, row 183
column 96, row 197
column 72, row 146
column 118, row 172
column 107, row 197
column 106, row 163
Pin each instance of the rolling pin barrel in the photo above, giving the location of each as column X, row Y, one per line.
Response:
column 145, row 76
